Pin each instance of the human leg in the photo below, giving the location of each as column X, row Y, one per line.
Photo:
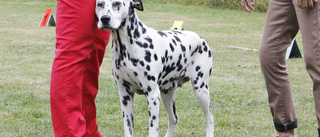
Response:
column 90, row 82
column 280, row 28
column 75, row 29
column 309, row 22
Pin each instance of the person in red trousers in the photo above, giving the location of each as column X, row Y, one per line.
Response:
column 80, row 49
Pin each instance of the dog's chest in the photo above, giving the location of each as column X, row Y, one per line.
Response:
column 159, row 63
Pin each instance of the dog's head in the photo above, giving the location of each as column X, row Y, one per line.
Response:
column 111, row 13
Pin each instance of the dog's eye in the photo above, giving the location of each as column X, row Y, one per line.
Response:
column 100, row 4
column 116, row 4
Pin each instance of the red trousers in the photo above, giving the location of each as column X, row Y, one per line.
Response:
column 80, row 49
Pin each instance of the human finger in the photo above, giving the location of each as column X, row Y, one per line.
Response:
column 310, row 4
column 303, row 4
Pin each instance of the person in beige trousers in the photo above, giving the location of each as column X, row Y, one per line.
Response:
column 284, row 19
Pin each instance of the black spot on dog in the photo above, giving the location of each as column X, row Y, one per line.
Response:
column 162, row 34
column 151, row 46
column 175, row 112
column 204, row 43
column 126, row 84
column 135, row 74
column 147, row 57
column 202, row 85
column 142, row 45
column 134, row 61
column 198, row 68
column 117, row 63
column 151, row 78
column 165, row 82
column 141, row 63
column 132, row 119
column 179, row 60
column 149, row 89
column 194, row 51
column 180, row 67
column 200, row 74
column 174, row 42
column 144, row 30
column 205, row 49
column 200, row 50
column 125, row 100
column 173, row 85
column 151, row 123
column 148, row 39
column 195, row 82
column 171, row 47
column 163, row 60
column 129, row 34
column 154, row 103
column 148, row 67
column 139, row 91
column 145, row 73
column 183, row 48
column 209, row 54
column 159, row 82
column 128, row 123
column 155, row 57
column 136, row 33
column 177, row 38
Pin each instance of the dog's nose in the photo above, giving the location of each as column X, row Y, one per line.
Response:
column 105, row 19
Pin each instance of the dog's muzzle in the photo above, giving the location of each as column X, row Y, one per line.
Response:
column 105, row 22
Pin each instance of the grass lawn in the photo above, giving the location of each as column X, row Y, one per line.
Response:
column 238, row 94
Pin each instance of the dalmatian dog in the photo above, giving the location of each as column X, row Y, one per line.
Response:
column 154, row 63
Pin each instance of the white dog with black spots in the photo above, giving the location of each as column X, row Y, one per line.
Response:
column 154, row 63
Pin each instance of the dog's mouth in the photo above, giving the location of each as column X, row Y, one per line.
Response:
column 105, row 27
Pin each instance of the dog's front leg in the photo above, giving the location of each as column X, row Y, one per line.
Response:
column 126, row 101
column 153, row 98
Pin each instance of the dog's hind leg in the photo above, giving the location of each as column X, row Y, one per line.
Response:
column 168, row 99
column 203, row 97
column 126, row 101
column 200, row 83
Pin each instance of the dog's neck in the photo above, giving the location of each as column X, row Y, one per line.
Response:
column 126, row 36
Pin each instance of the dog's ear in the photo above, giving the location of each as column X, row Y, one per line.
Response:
column 137, row 4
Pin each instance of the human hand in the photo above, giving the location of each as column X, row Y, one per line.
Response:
column 306, row 4
column 247, row 5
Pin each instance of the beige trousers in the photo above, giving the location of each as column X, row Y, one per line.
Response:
column 284, row 20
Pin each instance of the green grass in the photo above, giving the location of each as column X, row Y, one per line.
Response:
column 238, row 94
